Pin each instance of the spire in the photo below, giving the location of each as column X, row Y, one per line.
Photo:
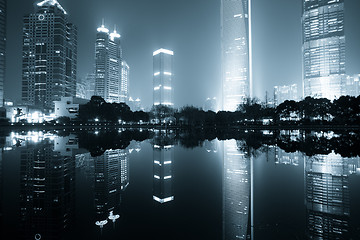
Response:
column 114, row 34
column 51, row 3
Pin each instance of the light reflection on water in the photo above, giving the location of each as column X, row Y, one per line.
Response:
column 222, row 189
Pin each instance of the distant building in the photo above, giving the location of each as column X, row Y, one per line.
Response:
column 49, row 56
column 108, row 58
column 68, row 107
column 210, row 104
column 323, row 48
column 236, row 52
column 3, row 13
column 124, row 91
column 80, row 88
column 286, row 92
column 163, row 77
column 85, row 87
column 352, row 85
column 135, row 105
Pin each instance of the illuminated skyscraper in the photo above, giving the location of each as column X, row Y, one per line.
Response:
column 2, row 48
column 49, row 56
column 236, row 193
column 108, row 59
column 323, row 48
column 125, row 72
column 163, row 77
column 352, row 86
column 236, row 52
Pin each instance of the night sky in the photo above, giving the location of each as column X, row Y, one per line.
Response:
column 191, row 28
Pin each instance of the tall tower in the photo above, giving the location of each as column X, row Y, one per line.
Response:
column 49, row 56
column 236, row 52
column 125, row 71
column 323, row 48
column 163, row 77
column 108, row 58
column 2, row 48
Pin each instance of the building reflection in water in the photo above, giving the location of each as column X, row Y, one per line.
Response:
column 111, row 177
column 47, row 185
column 237, row 198
column 163, row 157
column 327, row 195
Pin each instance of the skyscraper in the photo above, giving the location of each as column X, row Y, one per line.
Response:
column 163, row 77
column 125, row 71
column 323, row 48
column 236, row 52
column 108, row 59
column 49, row 56
column 2, row 48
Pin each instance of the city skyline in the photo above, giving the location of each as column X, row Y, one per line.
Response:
column 207, row 74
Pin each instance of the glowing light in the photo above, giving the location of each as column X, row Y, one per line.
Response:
column 157, row 88
column 168, row 73
column 157, row 74
column 103, row 29
column 157, row 162
column 114, row 35
column 167, row 177
column 156, row 176
column 164, row 200
column 52, row 3
column 101, row 223
column 162, row 50
column 113, row 217
column 167, row 162
column 167, row 88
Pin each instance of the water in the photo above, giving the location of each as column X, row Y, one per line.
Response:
column 120, row 184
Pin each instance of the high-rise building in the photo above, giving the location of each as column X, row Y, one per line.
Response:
column 125, row 72
column 210, row 104
column 108, row 59
column 49, row 56
column 323, row 48
column 2, row 48
column 163, row 77
column 283, row 93
column 352, row 85
column 85, row 87
column 236, row 52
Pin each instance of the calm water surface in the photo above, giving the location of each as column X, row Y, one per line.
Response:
column 79, row 185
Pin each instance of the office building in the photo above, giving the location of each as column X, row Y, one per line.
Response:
column 323, row 48
column 49, row 56
column 125, row 72
column 3, row 14
column 286, row 92
column 236, row 52
column 108, row 59
column 163, row 77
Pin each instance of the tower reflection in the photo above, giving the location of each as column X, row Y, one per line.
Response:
column 47, row 187
column 327, row 196
column 237, row 180
column 163, row 155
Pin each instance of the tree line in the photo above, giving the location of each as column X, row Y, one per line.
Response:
column 345, row 110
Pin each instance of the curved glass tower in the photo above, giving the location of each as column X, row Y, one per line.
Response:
column 323, row 48
column 236, row 52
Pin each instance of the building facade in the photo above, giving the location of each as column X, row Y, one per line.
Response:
column 163, row 77
column 323, row 48
column 108, row 59
column 49, row 56
column 125, row 72
column 286, row 92
column 352, row 85
column 236, row 52
column 3, row 11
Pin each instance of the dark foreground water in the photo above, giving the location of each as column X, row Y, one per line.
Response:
column 169, row 185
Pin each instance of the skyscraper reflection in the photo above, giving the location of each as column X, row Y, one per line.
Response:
column 328, row 196
column 236, row 193
column 111, row 176
column 47, row 188
column 163, row 156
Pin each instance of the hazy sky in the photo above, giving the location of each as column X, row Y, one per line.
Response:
column 191, row 28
